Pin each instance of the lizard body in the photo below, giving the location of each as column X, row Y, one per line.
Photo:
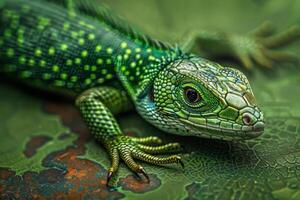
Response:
column 81, row 56
column 76, row 46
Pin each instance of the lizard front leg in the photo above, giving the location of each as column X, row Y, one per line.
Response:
column 258, row 45
column 97, row 106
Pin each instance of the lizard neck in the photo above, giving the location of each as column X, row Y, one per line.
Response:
column 138, row 67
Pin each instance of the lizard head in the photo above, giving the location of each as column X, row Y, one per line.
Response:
column 198, row 97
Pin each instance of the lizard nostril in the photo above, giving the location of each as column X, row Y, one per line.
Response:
column 247, row 119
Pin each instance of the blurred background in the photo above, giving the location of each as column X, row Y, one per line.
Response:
column 46, row 150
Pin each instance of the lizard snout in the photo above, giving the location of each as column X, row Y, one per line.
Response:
column 253, row 118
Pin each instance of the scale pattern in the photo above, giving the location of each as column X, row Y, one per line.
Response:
column 52, row 46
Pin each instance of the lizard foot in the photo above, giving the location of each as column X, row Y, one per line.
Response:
column 259, row 46
column 129, row 148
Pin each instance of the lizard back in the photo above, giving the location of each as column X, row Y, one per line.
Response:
column 48, row 45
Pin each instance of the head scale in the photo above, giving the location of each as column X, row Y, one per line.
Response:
column 194, row 96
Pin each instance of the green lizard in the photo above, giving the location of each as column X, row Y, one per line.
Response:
column 78, row 47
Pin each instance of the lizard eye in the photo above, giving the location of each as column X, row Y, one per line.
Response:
column 191, row 95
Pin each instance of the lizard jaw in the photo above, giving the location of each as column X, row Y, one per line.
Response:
column 215, row 131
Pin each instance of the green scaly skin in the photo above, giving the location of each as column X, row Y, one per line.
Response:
column 77, row 46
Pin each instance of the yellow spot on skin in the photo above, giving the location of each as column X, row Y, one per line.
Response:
column 74, row 78
column 151, row 58
column 81, row 22
column 42, row 63
column 149, row 50
column 40, row 27
column 51, row 51
column 55, row 68
column 86, row 67
column 133, row 64
column 99, row 61
column 91, row 36
column 38, row 52
column 128, row 51
column 104, row 71
column 81, row 32
column 10, row 52
column 140, row 62
column 88, row 81
column 109, row 50
column 93, row 76
column 46, row 76
column 98, row 48
column 127, row 73
column 119, row 57
column 42, row 21
column 20, row 40
column 138, row 56
column 69, row 62
column 74, row 34
column 108, row 61
column 31, row 62
column 100, row 80
column 90, row 26
column 20, row 31
column 22, row 60
column 77, row 61
column 109, row 76
column 63, row 76
column 94, row 68
column 59, row 83
column 138, row 50
column 64, row 47
column 123, row 45
column 123, row 68
column 66, row 26
column 81, row 41
column 131, row 78
column 126, row 56
column 72, row 13
column 84, row 53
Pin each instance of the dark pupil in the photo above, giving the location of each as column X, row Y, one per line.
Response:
column 192, row 95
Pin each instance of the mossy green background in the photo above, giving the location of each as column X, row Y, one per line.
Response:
column 264, row 168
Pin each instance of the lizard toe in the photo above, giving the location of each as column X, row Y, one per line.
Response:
column 131, row 148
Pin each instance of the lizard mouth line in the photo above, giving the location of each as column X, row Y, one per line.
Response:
column 225, row 132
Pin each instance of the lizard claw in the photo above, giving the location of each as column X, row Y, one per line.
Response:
column 109, row 176
column 142, row 170
column 128, row 148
